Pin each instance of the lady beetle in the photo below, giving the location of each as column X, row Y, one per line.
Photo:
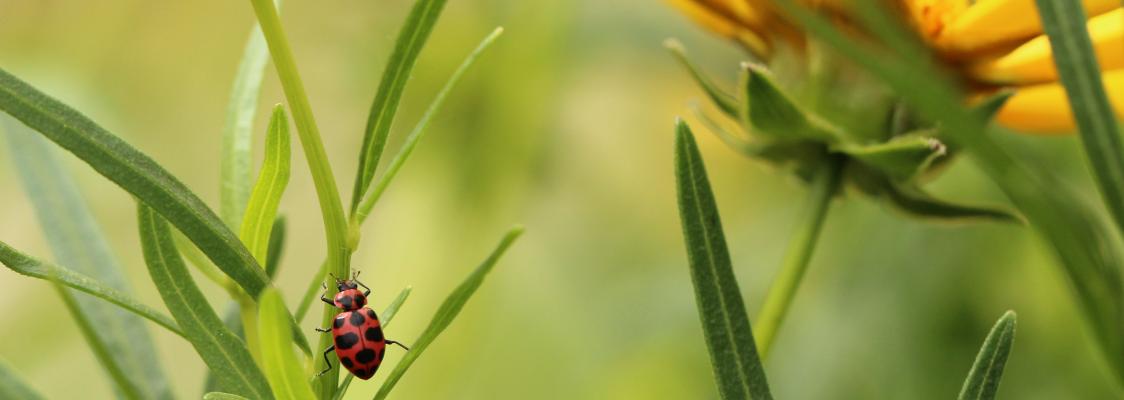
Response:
column 359, row 342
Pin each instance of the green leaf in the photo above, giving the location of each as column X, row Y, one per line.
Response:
column 415, row 32
column 13, row 387
column 1080, row 74
column 25, row 265
column 1084, row 245
column 222, row 396
column 284, row 371
column 902, row 158
column 983, row 380
column 276, row 246
column 729, row 337
column 136, row 173
column 237, row 133
column 272, row 180
column 773, row 113
column 447, row 312
column 391, row 310
column 415, row 136
column 222, row 350
column 387, row 315
column 125, row 347
column 916, row 202
column 724, row 101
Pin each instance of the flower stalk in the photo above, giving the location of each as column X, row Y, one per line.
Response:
column 823, row 188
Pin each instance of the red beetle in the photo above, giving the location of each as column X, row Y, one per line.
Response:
column 359, row 342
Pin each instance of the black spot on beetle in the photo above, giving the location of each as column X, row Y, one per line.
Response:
column 371, row 314
column 338, row 323
column 346, row 341
column 364, row 374
column 345, row 302
column 346, row 362
column 365, row 356
column 357, row 319
column 373, row 334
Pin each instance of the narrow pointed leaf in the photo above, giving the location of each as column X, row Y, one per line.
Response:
column 902, row 158
column 726, row 327
column 276, row 246
column 391, row 310
column 136, row 173
column 773, row 113
column 415, row 32
column 447, row 312
column 723, row 100
column 272, row 180
column 13, row 387
column 983, row 379
column 1080, row 74
column 223, row 352
column 25, row 265
column 415, row 136
column 128, row 352
column 282, row 368
column 237, row 133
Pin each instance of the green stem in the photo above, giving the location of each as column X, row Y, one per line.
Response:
column 777, row 302
column 331, row 208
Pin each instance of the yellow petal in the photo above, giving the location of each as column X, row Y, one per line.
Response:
column 1044, row 108
column 721, row 21
column 990, row 23
column 1033, row 62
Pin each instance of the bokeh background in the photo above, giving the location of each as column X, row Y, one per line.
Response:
column 565, row 127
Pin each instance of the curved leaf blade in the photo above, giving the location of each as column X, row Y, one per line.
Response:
column 282, row 368
column 272, row 180
column 276, row 246
column 983, row 379
column 26, row 265
column 447, row 312
column 222, row 396
column 13, row 387
column 415, row 32
column 729, row 336
column 223, row 352
column 124, row 346
column 136, row 173
column 1080, row 74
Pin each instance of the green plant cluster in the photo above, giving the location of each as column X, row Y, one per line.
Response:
column 251, row 352
column 921, row 123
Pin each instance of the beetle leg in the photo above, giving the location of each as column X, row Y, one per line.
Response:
column 326, row 300
column 397, row 343
column 322, row 330
column 368, row 292
column 326, row 362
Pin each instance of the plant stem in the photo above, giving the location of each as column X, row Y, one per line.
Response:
column 822, row 189
column 331, row 207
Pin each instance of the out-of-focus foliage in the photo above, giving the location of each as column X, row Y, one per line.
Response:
column 564, row 128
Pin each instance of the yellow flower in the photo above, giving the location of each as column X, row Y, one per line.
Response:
column 994, row 43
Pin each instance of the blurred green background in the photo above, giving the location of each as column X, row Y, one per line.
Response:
column 565, row 126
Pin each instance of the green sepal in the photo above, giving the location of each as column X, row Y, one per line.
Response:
column 773, row 114
column 901, row 158
column 918, row 203
column 723, row 100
